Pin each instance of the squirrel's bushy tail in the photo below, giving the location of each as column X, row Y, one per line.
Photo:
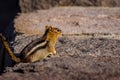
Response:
column 9, row 51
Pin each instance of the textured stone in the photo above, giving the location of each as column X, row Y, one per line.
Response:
column 77, row 58
column 72, row 20
column 30, row 5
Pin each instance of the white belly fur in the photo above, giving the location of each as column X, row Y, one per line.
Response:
column 40, row 54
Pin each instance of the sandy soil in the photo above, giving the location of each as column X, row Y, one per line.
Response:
column 77, row 58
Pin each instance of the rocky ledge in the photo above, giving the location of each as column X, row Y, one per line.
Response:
column 77, row 58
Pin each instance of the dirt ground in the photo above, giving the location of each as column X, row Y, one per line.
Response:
column 77, row 58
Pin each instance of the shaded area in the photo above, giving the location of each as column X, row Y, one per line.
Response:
column 9, row 33
column 8, row 10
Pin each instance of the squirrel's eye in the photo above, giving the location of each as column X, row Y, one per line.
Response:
column 58, row 30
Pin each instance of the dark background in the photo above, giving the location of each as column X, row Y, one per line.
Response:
column 8, row 10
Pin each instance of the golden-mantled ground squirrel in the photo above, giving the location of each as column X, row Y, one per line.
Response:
column 37, row 49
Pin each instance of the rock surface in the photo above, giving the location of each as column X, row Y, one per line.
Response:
column 30, row 5
column 77, row 58
column 72, row 20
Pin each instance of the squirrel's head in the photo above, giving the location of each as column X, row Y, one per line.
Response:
column 53, row 31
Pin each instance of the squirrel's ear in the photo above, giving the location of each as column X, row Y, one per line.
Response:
column 48, row 27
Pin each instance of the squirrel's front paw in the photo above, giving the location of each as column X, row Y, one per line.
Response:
column 54, row 52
